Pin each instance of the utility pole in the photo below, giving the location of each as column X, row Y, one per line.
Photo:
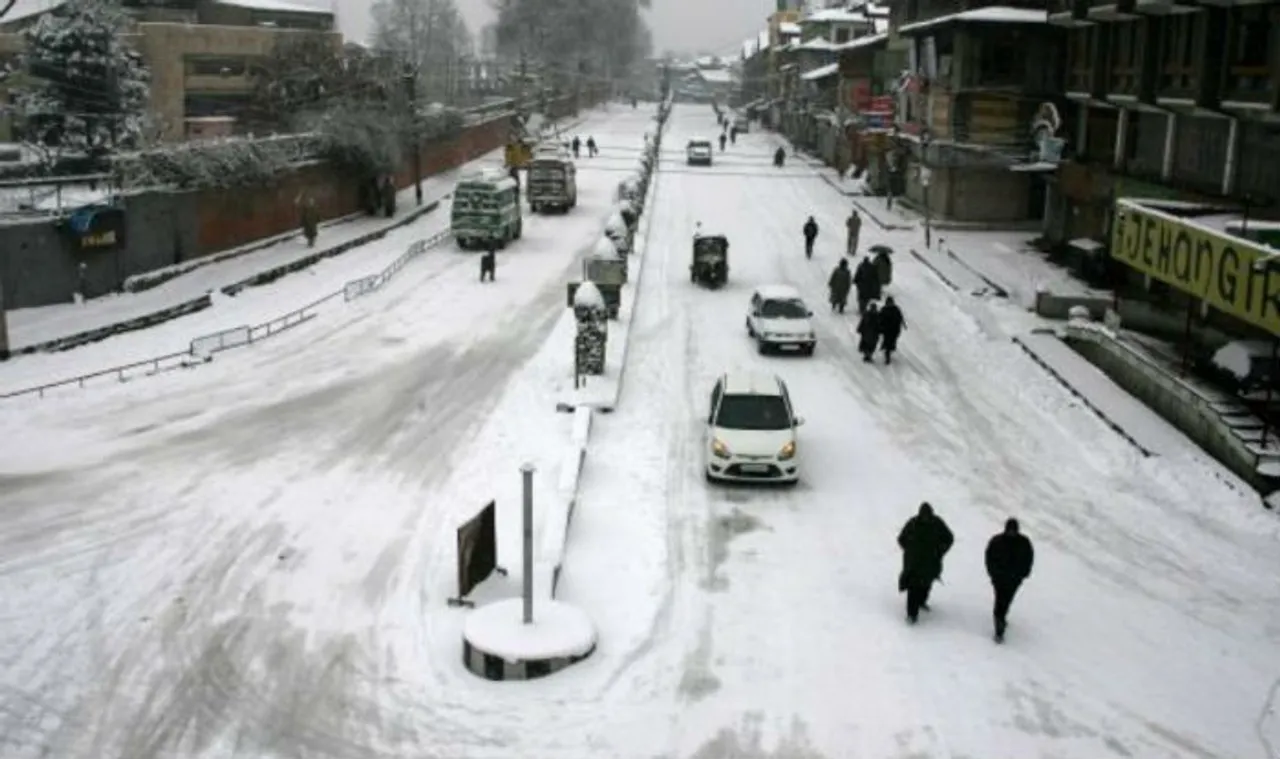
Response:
column 4, row 328
column 411, row 85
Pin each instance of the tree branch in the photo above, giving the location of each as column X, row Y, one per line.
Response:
column 7, row 7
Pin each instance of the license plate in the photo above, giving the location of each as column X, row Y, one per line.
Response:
column 758, row 468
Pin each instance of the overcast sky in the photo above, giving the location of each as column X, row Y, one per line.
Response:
column 678, row 25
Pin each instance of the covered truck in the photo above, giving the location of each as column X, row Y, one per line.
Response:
column 552, row 181
column 486, row 209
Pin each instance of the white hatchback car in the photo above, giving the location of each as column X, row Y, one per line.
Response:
column 779, row 320
column 751, row 430
column 698, row 152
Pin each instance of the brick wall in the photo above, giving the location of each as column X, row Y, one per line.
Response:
column 229, row 219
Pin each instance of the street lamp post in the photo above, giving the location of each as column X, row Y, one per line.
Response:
column 411, row 91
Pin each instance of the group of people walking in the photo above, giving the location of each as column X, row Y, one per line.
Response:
column 925, row 540
column 879, row 325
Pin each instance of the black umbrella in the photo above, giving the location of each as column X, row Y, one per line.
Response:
column 878, row 249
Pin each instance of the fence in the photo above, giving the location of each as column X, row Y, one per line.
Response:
column 203, row 348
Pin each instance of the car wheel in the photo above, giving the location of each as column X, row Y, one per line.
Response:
column 762, row 347
column 809, row 351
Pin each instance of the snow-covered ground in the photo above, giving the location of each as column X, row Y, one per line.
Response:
column 251, row 559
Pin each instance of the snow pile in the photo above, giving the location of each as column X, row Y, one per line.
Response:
column 1238, row 356
column 558, row 631
column 1079, row 314
column 588, row 296
column 615, row 224
column 605, row 251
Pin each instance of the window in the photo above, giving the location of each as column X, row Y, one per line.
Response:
column 211, row 65
column 842, row 35
column 753, row 412
column 1126, row 49
column 1081, row 41
column 784, row 309
column 1248, row 75
column 1179, row 44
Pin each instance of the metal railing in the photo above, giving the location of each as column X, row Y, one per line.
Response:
column 202, row 349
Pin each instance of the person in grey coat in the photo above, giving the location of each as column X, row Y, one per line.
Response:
column 853, row 225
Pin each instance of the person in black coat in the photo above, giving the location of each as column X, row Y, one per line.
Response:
column 839, row 284
column 867, row 280
column 810, row 234
column 892, row 323
column 489, row 261
column 1009, row 559
column 868, row 332
column 925, row 540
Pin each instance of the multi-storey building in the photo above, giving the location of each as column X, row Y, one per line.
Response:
column 1173, row 99
column 202, row 54
column 976, row 81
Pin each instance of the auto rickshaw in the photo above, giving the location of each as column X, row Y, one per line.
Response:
column 710, row 266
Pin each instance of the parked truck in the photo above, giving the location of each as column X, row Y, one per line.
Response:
column 486, row 209
column 552, row 181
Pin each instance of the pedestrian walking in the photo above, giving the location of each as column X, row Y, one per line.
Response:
column 488, row 262
column 867, row 281
column 839, row 283
column 309, row 216
column 853, row 226
column 733, row 135
column 723, row 137
column 592, row 150
column 577, row 146
column 810, row 234
column 868, row 332
column 891, row 324
column 925, row 540
column 884, row 267
column 1009, row 558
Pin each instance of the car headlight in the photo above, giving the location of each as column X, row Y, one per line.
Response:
column 788, row 451
column 719, row 449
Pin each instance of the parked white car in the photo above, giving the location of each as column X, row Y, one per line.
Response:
column 751, row 430
column 779, row 320
column 698, row 152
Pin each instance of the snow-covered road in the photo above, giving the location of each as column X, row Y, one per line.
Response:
column 1149, row 628
column 251, row 559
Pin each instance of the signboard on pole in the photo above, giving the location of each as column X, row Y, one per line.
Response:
column 477, row 552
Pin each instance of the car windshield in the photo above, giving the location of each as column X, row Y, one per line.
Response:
column 753, row 412
column 783, row 309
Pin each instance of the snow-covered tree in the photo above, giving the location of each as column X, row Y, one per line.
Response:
column 91, row 88
column 305, row 75
column 572, row 41
column 430, row 37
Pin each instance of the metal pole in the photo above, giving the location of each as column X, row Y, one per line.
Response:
column 526, row 473
column 1186, row 336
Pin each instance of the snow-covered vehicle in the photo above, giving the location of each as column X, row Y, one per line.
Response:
column 751, row 430
column 778, row 320
column 698, row 152
column 486, row 209
column 1246, row 367
column 552, row 181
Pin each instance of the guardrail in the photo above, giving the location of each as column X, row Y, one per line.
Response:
column 357, row 288
column 202, row 349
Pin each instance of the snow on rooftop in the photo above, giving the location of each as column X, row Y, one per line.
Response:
column 822, row 72
column 716, row 76
column 818, row 43
column 861, row 42
column 277, row 6
column 835, row 15
column 786, row 27
column 24, row 9
column 998, row 14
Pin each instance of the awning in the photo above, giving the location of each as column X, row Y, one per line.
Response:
column 822, row 72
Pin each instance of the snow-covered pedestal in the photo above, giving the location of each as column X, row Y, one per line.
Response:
column 498, row 645
column 591, row 341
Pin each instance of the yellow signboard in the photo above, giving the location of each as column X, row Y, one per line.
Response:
column 1221, row 270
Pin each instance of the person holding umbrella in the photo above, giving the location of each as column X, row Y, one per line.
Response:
column 884, row 266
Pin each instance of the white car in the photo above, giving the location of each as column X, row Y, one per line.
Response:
column 751, row 430
column 699, row 152
column 779, row 320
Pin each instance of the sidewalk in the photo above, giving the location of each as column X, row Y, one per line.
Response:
column 1007, row 262
column 1128, row 416
column 69, row 324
